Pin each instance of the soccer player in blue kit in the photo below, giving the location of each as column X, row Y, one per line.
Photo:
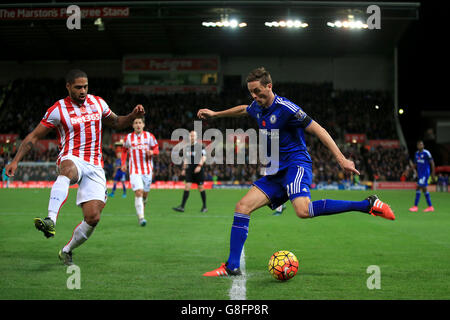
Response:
column 119, row 176
column 424, row 164
column 293, row 178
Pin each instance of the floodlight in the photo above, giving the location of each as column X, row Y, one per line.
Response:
column 347, row 24
column 297, row 24
column 224, row 22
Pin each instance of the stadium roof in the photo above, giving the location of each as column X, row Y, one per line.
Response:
column 175, row 27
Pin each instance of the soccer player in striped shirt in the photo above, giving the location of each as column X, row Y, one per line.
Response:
column 293, row 177
column 141, row 146
column 78, row 121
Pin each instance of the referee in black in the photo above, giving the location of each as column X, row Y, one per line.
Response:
column 194, row 159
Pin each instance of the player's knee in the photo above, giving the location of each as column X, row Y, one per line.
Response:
column 93, row 219
column 139, row 193
column 92, row 213
column 69, row 170
column 243, row 207
column 302, row 213
column 301, row 207
column 72, row 176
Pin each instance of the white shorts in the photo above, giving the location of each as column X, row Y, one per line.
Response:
column 91, row 181
column 141, row 182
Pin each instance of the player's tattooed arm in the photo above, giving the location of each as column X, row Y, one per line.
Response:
column 122, row 122
column 27, row 144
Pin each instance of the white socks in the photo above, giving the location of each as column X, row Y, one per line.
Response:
column 58, row 196
column 139, row 205
column 81, row 233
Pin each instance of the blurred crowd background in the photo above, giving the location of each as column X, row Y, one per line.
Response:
column 340, row 112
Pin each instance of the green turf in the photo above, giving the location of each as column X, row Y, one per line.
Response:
column 166, row 259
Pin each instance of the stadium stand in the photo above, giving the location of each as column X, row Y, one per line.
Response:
column 342, row 112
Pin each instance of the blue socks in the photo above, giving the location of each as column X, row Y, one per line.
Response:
column 239, row 232
column 427, row 196
column 239, row 229
column 416, row 201
column 124, row 188
column 327, row 207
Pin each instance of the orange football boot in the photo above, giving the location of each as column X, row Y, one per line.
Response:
column 379, row 208
column 222, row 271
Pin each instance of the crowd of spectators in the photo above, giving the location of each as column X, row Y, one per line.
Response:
column 339, row 111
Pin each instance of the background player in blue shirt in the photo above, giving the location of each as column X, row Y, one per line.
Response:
column 119, row 176
column 424, row 165
column 293, row 178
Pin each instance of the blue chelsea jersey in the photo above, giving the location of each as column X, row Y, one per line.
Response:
column 422, row 160
column 118, row 164
column 291, row 121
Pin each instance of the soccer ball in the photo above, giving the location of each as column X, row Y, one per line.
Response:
column 283, row 265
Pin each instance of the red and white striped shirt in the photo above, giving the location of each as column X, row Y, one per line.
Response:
column 79, row 127
column 137, row 145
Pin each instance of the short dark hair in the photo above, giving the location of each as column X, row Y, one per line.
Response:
column 261, row 75
column 140, row 117
column 75, row 74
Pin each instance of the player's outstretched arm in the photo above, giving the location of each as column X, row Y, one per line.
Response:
column 238, row 111
column 122, row 122
column 27, row 144
column 328, row 141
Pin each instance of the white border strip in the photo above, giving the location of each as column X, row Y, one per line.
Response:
column 238, row 288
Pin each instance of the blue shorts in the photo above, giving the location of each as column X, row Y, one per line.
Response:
column 287, row 184
column 422, row 181
column 120, row 176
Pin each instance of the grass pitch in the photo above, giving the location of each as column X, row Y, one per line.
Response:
column 166, row 259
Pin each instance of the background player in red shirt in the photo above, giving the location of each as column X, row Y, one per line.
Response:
column 141, row 146
column 78, row 120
